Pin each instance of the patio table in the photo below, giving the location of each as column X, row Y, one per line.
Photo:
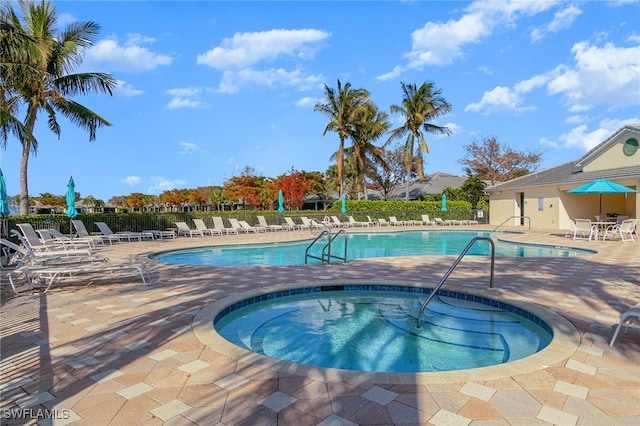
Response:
column 602, row 227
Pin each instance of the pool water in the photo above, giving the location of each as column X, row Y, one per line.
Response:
column 361, row 245
column 377, row 331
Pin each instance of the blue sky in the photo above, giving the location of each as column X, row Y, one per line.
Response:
column 207, row 88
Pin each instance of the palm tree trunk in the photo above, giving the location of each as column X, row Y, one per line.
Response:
column 24, row 186
column 340, row 165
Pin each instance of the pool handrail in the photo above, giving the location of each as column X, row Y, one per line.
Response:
column 453, row 266
column 326, row 250
column 514, row 217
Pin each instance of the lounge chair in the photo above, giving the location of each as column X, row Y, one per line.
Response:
column 161, row 235
column 426, row 220
column 50, row 274
column 372, row 222
column 585, row 230
column 263, row 223
column 201, row 226
column 105, row 230
column 383, row 222
column 81, row 231
column 64, row 240
column 219, row 224
column 335, row 221
column 245, row 227
column 31, row 239
column 183, row 229
column 314, row 224
column 23, row 254
column 628, row 319
column 571, row 230
column 439, row 221
column 354, row 222
column 625, row 229
column 291, row 224
column 395, row 222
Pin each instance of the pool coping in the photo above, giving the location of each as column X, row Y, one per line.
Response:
column 566, row 340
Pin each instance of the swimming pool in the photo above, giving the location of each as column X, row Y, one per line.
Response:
column 373, row 328
column 361, row 245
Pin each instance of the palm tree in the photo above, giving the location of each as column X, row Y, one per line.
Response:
column 342, row 107
column 49, row 89
column 370, row 125
column 419, row 106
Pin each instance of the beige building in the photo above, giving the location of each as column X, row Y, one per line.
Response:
column 541, row 200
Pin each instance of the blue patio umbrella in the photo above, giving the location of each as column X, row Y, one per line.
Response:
column 343, row 201
column 600, row 186
column 280, row 201
column 444, row 203
column 4, row 206
column 71, row 201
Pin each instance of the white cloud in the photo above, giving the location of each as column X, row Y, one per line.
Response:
column 498, row 100
column 232, row 81
column 561, row 21
column 605, row 75
column 189, row 147
column 602, row 75
column 188, row 97
column 241, row 57
column 306, row 101
column 247, row 49
column 129, row 56
column 131, row 180
column 583, row 138
column 161, row 184
column 441, row 43
column 125, row 89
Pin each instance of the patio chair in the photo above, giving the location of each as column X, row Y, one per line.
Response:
column 383, row 222
column 31, row 239
column 585, row 230
column 628, row 319
column 236, row 225
column 626, row 228
column 263, row 223
column 65, row 240
column 439, row 221
column 202, row 227
column 250, row 228
column 395, row 222
column 571, row 230
column 426, row 220
column 355, row 223
column 219, row 224
column 105, row 230
column 291, row 224
column 372, row 222
column 183, row 229
column 313, row 224
column 337, row 222
column 81, row 231
column 50, row 274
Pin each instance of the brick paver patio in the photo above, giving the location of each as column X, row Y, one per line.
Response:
column 108, row 350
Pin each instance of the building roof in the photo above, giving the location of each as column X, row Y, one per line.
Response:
column 431, row 184
column 572, row 172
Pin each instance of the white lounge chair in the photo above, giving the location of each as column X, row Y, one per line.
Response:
column 291, row 224
column 263, row 223
column 183, row 229
column 426, row 220
column 571, row 230
column 250, row 228
column 31, row 239
column 219, row 224
column 628, row 319
column 382, row 222
column 49, row 274
column 624, row 229
column 61, row 239
column 128, row 235
column 372, row 222
column 354, row 222
column 201, row 226
column 395, row 222
column 439, row 221
column 337, row 222
column 314, row 224
column 81, row 231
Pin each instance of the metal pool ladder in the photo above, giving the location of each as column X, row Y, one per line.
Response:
column 453, row 266
column 326, row 255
